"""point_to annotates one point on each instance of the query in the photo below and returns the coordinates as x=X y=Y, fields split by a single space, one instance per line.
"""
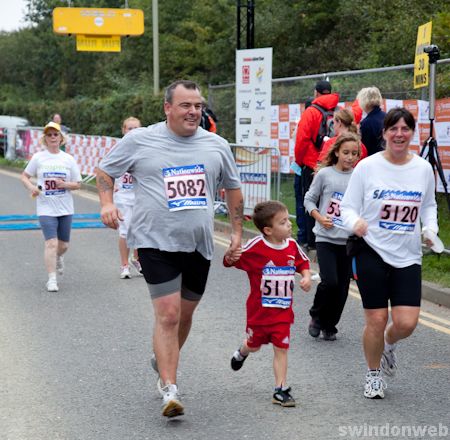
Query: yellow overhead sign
x=93 y=43
x=98 y=21
x=421 y=61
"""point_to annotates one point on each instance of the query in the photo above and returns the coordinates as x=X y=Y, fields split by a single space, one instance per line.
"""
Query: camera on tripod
x=433 y=52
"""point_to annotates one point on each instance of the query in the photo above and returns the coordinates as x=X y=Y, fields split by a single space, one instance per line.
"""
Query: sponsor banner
x=254 y=97
x=87 y=150
x=280 y=134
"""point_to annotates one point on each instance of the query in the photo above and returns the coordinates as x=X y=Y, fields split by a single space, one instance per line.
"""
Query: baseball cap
x=53 y=125
x=323 y=87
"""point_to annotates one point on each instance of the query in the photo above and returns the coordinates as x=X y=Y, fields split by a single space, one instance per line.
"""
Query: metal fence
x=259 y=172
x=395 y=82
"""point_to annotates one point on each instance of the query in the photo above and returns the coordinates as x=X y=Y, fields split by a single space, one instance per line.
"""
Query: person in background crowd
x=386 y=211
x=177 y=170
x=307 y=154
x=209 y=119
x=371 y=127
x=124 y=200
x=271 y=260
x=299 y=208
x=322 y=202
x=57 y=176
x=357 y=111
x=343 y=123
x=57 y=118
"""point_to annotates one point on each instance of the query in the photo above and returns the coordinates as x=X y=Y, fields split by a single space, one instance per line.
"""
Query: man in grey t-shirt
x=177 y=168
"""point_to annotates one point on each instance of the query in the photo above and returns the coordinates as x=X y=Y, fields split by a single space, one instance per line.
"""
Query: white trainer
x=60 y=264
x=52 y=285
x=125 y=272
x=137 y=266
x=375 y=385
x=172 y=407
x=389 y=363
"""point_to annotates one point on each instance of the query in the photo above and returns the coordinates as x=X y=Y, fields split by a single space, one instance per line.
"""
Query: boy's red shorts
x=276 y=334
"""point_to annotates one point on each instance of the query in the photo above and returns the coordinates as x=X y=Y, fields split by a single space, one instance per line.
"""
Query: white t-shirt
x=48 y=167
x=394 y=200
x=125 y=190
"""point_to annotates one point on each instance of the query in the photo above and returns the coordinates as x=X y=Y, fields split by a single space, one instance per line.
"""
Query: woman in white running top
x=57 y=175
x=391 y=194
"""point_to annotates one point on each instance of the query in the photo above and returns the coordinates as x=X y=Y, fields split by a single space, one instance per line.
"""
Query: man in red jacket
x=307 y=154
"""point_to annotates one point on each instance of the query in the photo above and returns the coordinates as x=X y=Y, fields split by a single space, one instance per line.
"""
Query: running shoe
x=389 y=363
x=125 y=272
x=314 y=328
x=237 y=360
x=328 y=336
x=52 y=285
x=375 y=385
x=135 y=263
x=60 y=264
x=283 y=397
x=172 y=407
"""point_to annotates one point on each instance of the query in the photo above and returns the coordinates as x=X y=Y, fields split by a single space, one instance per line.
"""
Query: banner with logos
x=253 y=109
x=285 y=117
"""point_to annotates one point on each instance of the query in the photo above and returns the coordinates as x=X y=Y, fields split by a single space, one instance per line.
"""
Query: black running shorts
x=380 y=283
x=170 y=272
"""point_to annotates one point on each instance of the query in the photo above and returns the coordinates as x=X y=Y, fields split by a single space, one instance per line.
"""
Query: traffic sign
x=94 y=43
x=421 y=61
x=98 y=21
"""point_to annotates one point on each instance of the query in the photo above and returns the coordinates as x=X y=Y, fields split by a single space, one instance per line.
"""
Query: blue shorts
x=56 y=227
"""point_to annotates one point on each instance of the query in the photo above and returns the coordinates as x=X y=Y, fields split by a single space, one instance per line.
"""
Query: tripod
x=429 y=150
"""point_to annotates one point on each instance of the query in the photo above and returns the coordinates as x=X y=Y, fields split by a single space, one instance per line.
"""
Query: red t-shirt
x=271 y=272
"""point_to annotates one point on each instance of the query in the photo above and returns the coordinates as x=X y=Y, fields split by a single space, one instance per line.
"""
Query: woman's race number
x=399 y=217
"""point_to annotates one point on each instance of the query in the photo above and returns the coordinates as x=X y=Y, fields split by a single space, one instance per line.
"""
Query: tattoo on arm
x=238 y=214
x=104 y=182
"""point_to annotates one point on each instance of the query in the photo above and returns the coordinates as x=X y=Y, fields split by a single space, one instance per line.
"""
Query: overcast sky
x=11 y=14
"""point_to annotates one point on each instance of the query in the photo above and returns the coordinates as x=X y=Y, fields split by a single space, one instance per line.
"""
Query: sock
x=52 y=276
x=238 y=355
x=374 y=372
x=389 y=347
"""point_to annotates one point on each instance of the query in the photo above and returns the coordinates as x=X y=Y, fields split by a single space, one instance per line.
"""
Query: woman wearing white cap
x=57 y=174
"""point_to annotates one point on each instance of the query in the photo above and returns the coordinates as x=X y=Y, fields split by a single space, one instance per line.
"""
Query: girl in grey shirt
x=322 y=202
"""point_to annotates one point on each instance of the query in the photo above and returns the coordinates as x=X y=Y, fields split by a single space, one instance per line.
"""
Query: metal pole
x=238 y=25
x=155 y=47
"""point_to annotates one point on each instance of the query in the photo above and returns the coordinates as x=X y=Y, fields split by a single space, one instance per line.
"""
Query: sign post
x=421 y=62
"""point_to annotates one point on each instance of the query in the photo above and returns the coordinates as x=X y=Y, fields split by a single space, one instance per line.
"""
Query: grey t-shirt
x=176 y=179
x=328 y=185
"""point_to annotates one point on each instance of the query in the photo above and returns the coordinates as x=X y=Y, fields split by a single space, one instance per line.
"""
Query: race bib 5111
x=277 y=286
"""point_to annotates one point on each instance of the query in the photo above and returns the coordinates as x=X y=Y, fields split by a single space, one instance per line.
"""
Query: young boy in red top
x=270 y=261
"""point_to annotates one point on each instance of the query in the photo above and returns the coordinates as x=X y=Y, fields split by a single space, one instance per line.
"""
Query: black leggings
x=332 y=291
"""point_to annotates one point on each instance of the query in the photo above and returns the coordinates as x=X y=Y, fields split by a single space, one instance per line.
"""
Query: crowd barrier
x=259 y=171
x=86 y=149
